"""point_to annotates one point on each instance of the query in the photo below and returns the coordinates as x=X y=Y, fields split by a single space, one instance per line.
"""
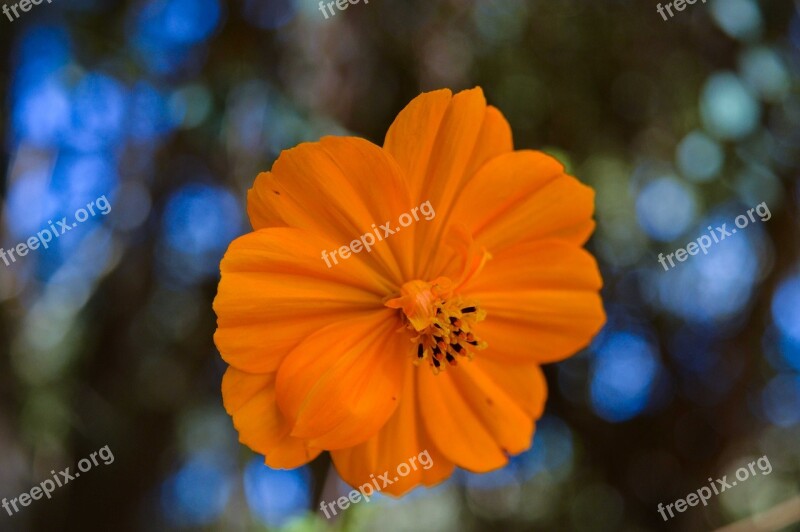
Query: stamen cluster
x=450 y=336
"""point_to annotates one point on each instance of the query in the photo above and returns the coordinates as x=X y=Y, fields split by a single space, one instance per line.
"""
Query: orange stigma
x=442 y=322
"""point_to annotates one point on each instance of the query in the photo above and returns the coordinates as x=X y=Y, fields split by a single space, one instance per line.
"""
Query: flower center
x=441 y=322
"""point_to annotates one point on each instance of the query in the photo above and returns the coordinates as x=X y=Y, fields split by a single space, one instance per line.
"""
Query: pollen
x=441 y=323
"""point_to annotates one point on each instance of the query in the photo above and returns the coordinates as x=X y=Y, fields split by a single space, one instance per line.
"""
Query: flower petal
x=403 y=440
x=494 y=139
x=339 y=187
x=527 y=387
x=422 y=129
x=473 y=418
x=276 y=290
x=541 y=299
x=411 y=138
x=440 y=142
x=258 y=204
x=455 y=143
x=250 y=401
x=291 y=453
x=342 y=384
x=521 y=196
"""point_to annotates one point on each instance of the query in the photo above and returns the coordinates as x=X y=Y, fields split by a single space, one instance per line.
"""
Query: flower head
x=430 y=334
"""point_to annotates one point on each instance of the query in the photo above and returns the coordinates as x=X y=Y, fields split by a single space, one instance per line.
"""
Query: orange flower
x=431 y=340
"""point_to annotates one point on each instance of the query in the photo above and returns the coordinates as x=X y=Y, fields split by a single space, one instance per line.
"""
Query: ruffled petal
x=456 y=141
x=339 y=187
x=250 y=400
x=411 y=138
x=527 y=387
x=440 y=142
x=523 y=196
x=403 y=440
x=494 y=139
x=422 y=129
x=276 y=290
x=259 y=209
x=291 y=453
x=341 y=385
x=542 y=301
x=473 y=419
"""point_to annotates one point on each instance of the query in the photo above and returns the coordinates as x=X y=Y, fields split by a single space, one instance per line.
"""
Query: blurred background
x=170 y=108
